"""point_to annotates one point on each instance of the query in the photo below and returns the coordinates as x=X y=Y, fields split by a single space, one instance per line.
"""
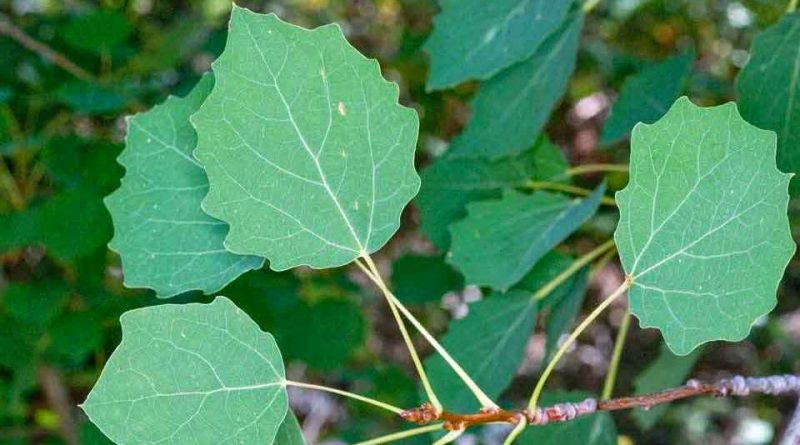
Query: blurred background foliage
x=61 y=289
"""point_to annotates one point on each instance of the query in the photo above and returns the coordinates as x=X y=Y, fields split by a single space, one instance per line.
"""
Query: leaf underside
x=165 y=240
x=190 y=374
x=703 y=231
x=308 y=154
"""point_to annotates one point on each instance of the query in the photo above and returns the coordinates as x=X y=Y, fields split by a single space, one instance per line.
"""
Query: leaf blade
x=775 y=62
x=706 y=226
x=512 y=107
x=165 y=240
x=317 y=136
x=646 y=96
x=499 y=241
x=136 y=399
x=474 y=40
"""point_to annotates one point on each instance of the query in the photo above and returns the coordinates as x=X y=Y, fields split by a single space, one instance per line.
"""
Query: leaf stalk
x=567 y=188
x=573 y=268
x=360 y=398
x=485 y=400
x=374 y=275
x=595 y=168
x=402 y=435
x=613 y=367
x=571 y=339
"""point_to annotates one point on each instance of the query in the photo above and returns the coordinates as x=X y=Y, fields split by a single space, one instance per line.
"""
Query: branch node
x=454 y=426
x=422 y=415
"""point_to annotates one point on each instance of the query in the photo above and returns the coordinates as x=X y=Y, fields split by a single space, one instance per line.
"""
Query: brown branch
x=563 y=412
x=9 y=29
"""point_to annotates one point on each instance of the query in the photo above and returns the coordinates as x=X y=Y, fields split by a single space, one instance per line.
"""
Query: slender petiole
x=512 y=436
x=571 y=339
x=567 y=188
x=792 y=6
x=595 y=168
x=613 y=367
x=485 y=400
x=349 y=394
x=374 y=275
x=449 y=437
x=402 y=435
x=573 y=268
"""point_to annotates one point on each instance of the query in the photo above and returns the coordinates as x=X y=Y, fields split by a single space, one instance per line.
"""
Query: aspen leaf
x=646 y=96
x=703 y=232
x=448 y=185
x=308 y=154
x=769 y=89
x=190 y=374
x=500 y=240
x=511 y=108
x=165 y=240
x=474 y=39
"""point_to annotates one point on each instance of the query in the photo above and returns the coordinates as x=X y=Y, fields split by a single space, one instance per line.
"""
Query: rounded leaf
x=703 y=233
x=190 y=374
x=308 y=154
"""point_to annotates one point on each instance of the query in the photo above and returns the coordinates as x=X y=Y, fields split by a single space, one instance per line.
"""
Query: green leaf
x=421 y=279
x=17 y=343
x=553 y=263
x=703 y=231
x=592 y=429
x=489 y=343
x=70 y=224
x=263 y=293
x=646 y=96
x=550 y=162
x=472 y=39
x=290 y=433
x=90 y=98
x=499 y=241
x=323 y=334
x=512 y=107
x=192 y=373
x=35 y=302
x=74 y=336
x=296 y=114
x=6 y=93
x=165 y=240
x=769 y=90
x=448 y=185
x=97 y=32
x=72 y=161
x=90 y=435
x=667 y=371
x=73 y=223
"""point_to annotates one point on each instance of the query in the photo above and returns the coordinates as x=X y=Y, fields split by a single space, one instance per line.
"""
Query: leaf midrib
x=314 y=158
